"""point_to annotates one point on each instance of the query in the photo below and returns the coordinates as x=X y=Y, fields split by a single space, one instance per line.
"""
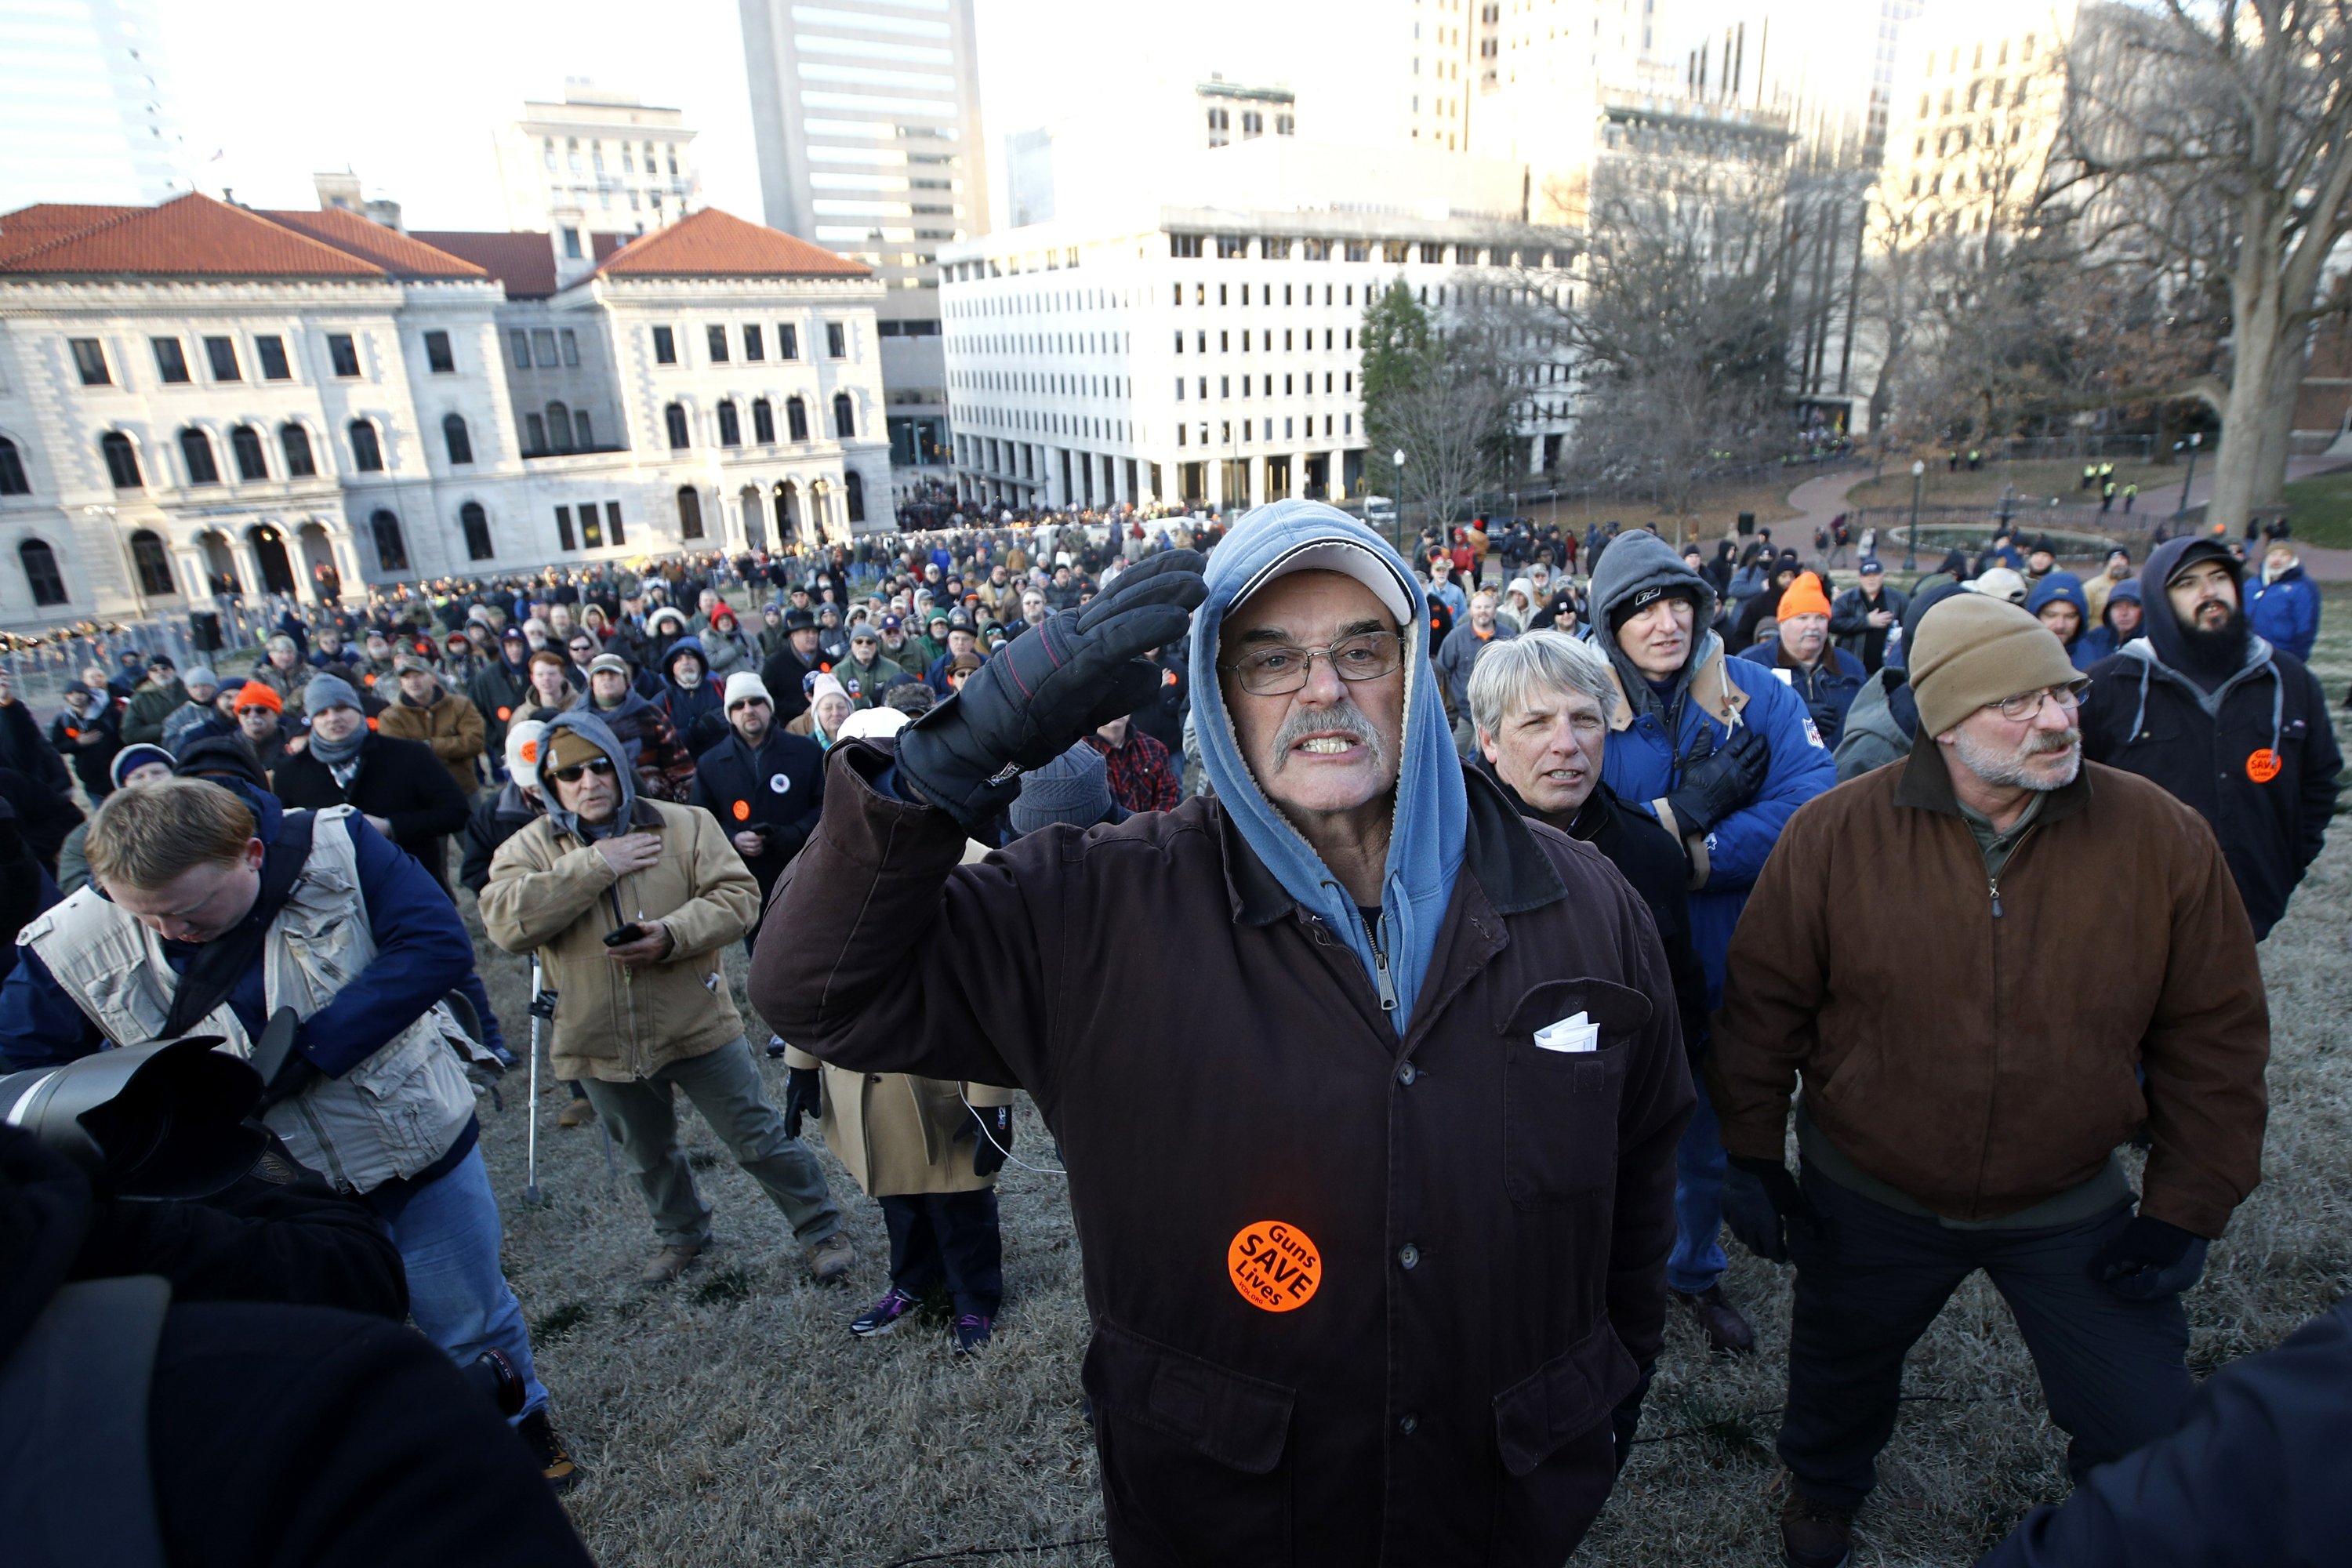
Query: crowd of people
x=1516 y=1091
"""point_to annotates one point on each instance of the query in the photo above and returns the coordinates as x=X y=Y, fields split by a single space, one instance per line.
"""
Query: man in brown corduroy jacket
x=1964 y=1093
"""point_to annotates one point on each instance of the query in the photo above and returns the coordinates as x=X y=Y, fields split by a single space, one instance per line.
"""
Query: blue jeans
x=448 y=1241
x=1697 y=1260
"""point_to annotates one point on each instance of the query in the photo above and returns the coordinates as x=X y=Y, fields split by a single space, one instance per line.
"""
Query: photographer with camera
x=630 y=903
x=209 y=909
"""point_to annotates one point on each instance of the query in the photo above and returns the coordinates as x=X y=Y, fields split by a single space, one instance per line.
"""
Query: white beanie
x=872 y=724
x=522 y=752
x=742 y=685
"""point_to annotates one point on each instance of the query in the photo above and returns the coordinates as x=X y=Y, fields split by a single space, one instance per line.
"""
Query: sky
x=272 y=91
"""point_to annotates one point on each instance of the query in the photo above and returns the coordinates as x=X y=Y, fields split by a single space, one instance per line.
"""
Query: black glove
x=1054 y=684
x=990 y=1127
x=2149 y=1259
x=1760 y=1199
x=1719 y=781
x=295 y=1075
x=800 y=1099
x=1626 y=1419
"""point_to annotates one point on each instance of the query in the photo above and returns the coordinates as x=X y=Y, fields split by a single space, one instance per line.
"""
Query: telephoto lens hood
x=161 y=1120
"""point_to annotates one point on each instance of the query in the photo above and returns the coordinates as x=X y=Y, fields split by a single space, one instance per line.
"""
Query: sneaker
x=775 y=1046
x=666 y=1266
x=1814 y=1534
x=829 y=1259
x=884 y=1315
x=555 y=1462
x=972 y=1331
x=1727 y=1331
x=576 y=1113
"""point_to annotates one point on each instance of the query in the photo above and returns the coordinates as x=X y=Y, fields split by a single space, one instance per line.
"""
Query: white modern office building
x=1206 y=354
x=865 y=117
x=86 y=104
x=627 y=167
x=197 y=396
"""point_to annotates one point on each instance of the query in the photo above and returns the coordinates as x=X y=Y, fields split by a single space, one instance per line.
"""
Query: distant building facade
x=623 y=166
x=87 y=104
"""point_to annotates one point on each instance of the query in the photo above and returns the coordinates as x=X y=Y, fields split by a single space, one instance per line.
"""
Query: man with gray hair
x=1458 y=655
x=1540 y=704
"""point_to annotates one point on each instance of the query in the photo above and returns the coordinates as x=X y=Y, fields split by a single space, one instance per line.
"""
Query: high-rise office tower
x=866 y=114
x=625 y=167
x=86 y=105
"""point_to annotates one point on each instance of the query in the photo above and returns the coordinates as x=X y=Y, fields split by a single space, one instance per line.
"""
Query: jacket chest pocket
x=1560 y=1106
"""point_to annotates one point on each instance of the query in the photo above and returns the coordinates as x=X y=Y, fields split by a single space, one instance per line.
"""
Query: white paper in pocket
x=1573 y=1033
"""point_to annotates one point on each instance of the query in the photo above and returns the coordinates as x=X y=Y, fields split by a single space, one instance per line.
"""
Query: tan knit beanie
x=1971 y=649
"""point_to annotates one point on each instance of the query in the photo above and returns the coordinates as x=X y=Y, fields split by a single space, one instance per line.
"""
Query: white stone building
x=1206 y=355
x=627 y=167
x=196 y=393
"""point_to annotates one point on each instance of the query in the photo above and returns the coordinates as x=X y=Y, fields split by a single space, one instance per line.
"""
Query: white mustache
x=1347 y=716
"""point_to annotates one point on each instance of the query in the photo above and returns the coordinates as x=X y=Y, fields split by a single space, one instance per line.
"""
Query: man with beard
x=765 y=786
x=1965 y=1097
x=2236 y=728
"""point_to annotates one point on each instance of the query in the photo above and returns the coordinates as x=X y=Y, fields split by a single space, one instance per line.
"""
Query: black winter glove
x=1760 y=1199
x=990 y=1127
x=2149 y=1259
x=1057 y=681
x=802 y=1097
x=1719 y=782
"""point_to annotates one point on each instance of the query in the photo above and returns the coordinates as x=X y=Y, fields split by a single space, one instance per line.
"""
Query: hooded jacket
x=2103 y=640
x=2284 y=610
x=551 y=890
x=696 y=712
x=665 y=768
x=1456 y=1331
x=1651 y=737
x=2255 y=757
x=1425 y=846
x=2065 y=588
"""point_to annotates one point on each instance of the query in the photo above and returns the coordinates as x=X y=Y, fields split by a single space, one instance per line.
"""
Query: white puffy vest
x=392 y=1115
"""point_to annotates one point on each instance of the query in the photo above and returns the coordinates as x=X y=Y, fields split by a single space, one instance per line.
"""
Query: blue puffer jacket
x=1827 y=691
x=2284 y=611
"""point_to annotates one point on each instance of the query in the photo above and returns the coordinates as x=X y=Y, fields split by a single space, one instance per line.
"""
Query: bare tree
x=1445 y=393
x=2214 y=142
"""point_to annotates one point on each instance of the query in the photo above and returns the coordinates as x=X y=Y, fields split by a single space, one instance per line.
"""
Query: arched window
x=389 y=547
x=196 y=449
x=763 y=423
x=674 y=417
x=367 y=452
x=295 y=443
x=41 y=573
x=155 y=567
x=796 y=418
x=121 y=464
x=689 y=512
x=559 y=427
x=476 y=524
x=586 y=439
x=856 y=485
x=245 y=441
x=12 y=470
x=535 y=428
x=730 y=428
x=454 y=434
x=845 y=415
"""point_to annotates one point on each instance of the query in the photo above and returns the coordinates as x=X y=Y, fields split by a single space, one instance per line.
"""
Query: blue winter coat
x=2285 y=612
x=1827 y=691
x=2067 y=588
x=1641 y=765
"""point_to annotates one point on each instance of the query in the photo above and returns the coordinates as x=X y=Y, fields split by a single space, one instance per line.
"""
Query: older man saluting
x=1964 y=1094
x=1375 y=1197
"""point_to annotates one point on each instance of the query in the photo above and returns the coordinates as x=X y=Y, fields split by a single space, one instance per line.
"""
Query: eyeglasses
x=1285 y=667
x=2019 y=709
x=600 y=766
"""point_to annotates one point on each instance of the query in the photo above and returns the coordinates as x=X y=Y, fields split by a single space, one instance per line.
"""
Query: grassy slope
x=733 y=1419
x=2321 y=509
x=2036 y=482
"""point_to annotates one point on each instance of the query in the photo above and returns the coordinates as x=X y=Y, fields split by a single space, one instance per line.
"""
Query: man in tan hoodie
x=629 y=903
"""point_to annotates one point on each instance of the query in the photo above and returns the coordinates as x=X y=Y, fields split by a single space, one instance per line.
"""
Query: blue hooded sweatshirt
x=1432 y=809
x=2064 y=587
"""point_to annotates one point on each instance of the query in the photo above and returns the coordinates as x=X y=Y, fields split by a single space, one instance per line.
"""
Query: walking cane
x=543 y=1007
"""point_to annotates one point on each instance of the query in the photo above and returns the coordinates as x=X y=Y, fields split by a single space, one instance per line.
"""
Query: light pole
x=2189 y=478
x=1398 y=460
x=1911 y=540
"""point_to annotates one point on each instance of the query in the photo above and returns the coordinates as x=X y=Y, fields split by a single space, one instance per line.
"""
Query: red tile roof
x=403 y=256
x=524 y=260
x=46 y=221
x=187 y=236
x=715 y=244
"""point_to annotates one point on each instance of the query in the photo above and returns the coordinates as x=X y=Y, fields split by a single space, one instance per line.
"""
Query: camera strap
x=214 y=972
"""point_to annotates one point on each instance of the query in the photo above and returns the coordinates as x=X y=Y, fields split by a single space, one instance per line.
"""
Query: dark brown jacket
x=1489 y=1221
x=1978 y=1049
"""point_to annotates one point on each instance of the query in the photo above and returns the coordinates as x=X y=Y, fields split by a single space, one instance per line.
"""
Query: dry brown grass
x=733 y=1420
x=2037 y=481
x=1714 y=512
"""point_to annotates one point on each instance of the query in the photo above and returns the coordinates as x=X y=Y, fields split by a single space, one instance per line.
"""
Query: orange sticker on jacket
x=742 y=811
x=2264 y=765
x=1275 y=1266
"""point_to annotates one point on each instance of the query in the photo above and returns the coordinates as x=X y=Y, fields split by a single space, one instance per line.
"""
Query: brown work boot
x=576 y=1113
x=665 y=1266
x=829 y=1259
x=1814 y=1534
x=1726 y=1330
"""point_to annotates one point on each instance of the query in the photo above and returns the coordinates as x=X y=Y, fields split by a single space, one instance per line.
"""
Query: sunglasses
x=600 y=766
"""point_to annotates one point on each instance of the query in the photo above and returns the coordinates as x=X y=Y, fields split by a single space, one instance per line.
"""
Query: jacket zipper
x=1381 y=966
